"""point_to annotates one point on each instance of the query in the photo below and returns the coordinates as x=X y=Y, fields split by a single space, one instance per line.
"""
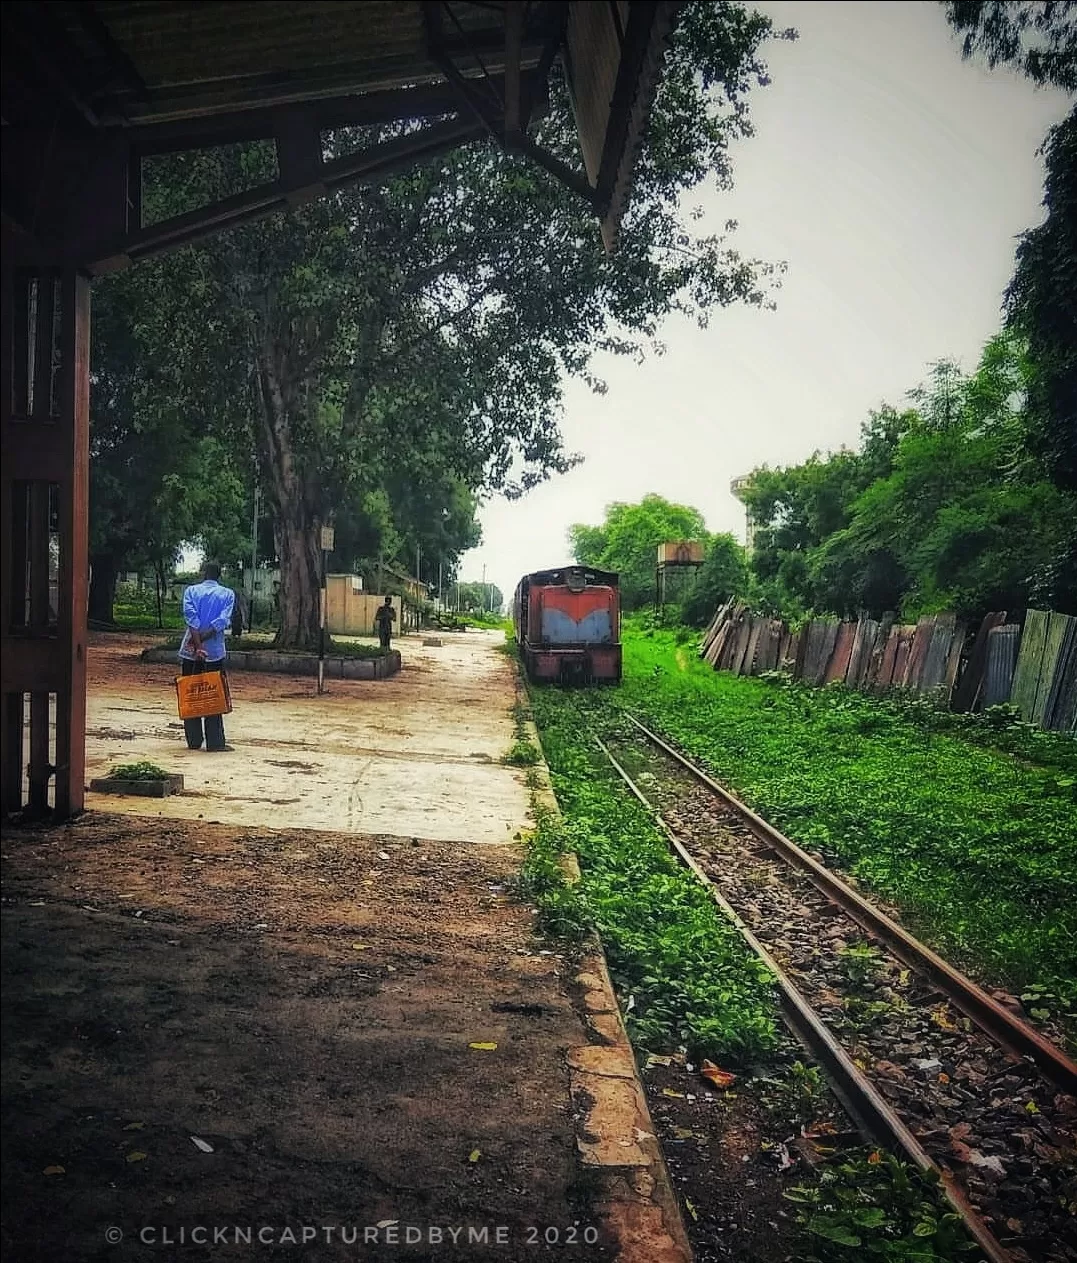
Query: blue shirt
x=207 y=606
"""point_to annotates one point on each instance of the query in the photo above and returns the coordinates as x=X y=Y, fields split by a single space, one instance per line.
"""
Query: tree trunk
x=104 y=573
x=296 y=532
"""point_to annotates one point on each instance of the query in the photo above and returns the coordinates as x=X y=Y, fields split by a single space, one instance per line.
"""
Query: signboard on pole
x=328 y=534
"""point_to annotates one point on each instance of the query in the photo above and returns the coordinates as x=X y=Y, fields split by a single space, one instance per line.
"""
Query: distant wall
x=1034 y=666
x=350 y=612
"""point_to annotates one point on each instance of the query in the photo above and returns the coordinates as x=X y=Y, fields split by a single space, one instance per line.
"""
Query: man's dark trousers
x=192 y=728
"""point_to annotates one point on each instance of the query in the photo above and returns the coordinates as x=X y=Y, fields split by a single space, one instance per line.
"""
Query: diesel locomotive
x=568 y=625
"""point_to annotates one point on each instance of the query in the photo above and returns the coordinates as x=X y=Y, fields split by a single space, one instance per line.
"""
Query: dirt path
x=227 y=1036
x=303 y=1003
x=415 y=755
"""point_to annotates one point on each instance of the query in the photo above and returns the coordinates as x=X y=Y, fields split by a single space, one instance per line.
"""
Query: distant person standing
x=383 y=620
x=207 y=611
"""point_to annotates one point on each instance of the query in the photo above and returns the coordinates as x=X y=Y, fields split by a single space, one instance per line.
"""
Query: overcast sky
x=892 y=177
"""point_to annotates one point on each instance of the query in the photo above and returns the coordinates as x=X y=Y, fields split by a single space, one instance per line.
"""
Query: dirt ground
x=415 y=755
x=228 y=1040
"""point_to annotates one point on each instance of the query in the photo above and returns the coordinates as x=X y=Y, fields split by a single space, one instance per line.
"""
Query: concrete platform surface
x=415 y=755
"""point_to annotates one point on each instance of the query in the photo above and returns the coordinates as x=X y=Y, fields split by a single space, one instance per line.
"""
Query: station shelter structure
x=92 y=90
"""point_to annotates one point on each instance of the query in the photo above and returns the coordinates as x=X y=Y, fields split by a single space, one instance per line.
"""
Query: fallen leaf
x=655 y=1060
x=474 y=1155
x=942 y=1019
x=134 y=1126
x=875 y=1158
x=384 y=855
x=483 y=1045
x=684 y=1133
x=1032 y=1107
x=136 y=1155
x=671 y=1092
x=889 y=1071
x=690 y=1208
x=199 y=1143
x=387 y=1223
x=54 y=1171
x=987 y=1162
x=642 y=1135
x=944 y=1078
x=713 y=1074
x=960 y=1130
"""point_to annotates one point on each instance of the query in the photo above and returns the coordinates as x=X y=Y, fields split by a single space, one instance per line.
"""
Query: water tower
x=738 y=487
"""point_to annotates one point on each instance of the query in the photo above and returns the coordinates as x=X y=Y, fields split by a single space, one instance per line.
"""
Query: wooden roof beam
x=302 y=182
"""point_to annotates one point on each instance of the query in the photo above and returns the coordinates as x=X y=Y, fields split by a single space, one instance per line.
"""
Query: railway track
x=922 y=1059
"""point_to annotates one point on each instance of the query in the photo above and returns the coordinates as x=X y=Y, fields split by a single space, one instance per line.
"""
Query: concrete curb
x=268 y=660
x=615 y=1136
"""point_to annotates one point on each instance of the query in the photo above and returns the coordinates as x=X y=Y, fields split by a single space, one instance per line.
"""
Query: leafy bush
x=874 y=1206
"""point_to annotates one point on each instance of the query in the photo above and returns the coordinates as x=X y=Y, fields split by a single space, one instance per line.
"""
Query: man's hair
x=211 y=570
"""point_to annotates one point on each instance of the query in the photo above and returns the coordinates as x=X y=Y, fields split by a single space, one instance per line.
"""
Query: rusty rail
x=1002 y=1026
x=873 y=1117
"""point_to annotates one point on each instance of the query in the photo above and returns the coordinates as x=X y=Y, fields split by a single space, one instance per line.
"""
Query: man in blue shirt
x=207 y=611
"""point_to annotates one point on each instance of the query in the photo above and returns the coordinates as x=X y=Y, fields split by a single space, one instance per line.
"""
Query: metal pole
x=321 y=626
x=254 y=555
x=484 y=587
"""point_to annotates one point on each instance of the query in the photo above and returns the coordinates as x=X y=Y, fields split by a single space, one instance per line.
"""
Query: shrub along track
x=999 y=1127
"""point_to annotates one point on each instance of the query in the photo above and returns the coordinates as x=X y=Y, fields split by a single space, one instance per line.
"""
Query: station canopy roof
x=123 y=79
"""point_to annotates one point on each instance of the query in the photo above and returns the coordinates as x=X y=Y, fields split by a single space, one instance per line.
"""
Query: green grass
x=681 y=970
x=977 y=846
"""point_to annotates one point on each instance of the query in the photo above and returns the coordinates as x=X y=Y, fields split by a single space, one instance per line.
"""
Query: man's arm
x=190 y=617
x=224 y=618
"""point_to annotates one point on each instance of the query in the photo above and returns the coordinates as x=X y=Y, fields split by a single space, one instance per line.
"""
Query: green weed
x=138 y=772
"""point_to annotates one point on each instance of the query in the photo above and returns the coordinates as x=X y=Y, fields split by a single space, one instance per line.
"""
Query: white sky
x=893 y=178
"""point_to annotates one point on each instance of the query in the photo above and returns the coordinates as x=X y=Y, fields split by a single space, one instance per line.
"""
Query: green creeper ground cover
x=684 y=977
x=978 y=846
x=691 y=979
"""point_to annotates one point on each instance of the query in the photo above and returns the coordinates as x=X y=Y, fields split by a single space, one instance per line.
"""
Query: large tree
x=628 y=538
x=1040 y=41
x=944 y=506
x=163 y=467
x=446 y=306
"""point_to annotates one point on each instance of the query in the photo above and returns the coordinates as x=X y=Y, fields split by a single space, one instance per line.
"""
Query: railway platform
x=297 y=1009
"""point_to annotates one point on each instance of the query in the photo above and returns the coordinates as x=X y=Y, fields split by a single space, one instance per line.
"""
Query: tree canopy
x=1036 y=37
x=943 y=506
x=627 y=541
x=420 y=331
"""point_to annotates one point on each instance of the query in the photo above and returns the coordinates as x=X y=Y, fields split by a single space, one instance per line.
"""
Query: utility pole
x=327 y=540
x=484 y=587
x=254 y=554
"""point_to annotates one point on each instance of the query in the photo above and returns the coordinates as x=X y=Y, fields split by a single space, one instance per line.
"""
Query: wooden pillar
x=44 y=501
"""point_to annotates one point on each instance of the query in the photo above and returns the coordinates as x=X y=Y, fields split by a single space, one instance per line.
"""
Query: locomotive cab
x=568 y=625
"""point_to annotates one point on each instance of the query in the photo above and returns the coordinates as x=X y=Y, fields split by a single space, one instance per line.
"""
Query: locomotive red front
x=568 y=624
